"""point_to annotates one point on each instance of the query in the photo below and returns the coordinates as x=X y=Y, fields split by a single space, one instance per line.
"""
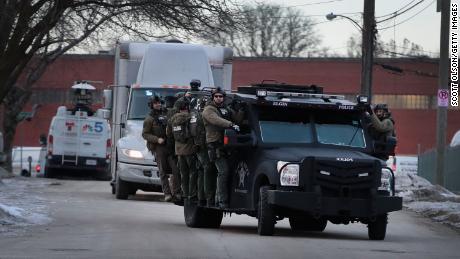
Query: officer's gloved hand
x=236 y=127
x=369 y=109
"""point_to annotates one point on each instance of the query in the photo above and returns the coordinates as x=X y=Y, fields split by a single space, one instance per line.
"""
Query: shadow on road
x=151 y=196
x=287 y=232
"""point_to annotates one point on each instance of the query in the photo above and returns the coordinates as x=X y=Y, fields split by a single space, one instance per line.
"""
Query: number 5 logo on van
x=98 y=127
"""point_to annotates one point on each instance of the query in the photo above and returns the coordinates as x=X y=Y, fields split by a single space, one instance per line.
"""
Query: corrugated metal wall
x=427 y=167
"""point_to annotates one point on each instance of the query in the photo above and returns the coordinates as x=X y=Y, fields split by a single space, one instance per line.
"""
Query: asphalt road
x=88 y=222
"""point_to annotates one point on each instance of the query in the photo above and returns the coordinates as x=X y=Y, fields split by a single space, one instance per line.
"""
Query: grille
x=346 y=179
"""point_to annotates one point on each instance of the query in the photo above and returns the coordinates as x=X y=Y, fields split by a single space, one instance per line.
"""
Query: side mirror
x=103 y=113
x=107 y=99
x=234 y=139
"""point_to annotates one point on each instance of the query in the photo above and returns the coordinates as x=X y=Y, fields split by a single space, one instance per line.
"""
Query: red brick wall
x=337 y=75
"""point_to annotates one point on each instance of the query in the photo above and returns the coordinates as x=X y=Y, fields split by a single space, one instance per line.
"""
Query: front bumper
x=330 y=206
x=137 y=173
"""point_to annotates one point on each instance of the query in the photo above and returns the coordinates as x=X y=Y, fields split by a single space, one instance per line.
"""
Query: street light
x=367 y=47
x=332 y=16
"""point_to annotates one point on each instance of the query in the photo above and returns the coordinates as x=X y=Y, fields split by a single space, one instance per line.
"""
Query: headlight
x=132 y=153
x=386 y=181
x=289 y=174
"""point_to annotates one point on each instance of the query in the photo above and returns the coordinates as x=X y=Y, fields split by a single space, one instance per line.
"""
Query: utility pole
x=441 y=118
x=368 y=48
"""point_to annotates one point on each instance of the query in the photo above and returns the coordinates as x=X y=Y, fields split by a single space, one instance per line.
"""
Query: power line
x=384 y=28
x=396 y=10
x=402 y=12
x=401 y=47
x=315 y=3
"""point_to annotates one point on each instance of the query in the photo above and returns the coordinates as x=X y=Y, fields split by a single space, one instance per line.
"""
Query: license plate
x=91 y=162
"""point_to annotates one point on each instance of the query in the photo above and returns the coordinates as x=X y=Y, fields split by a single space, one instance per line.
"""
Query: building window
x=411 y=102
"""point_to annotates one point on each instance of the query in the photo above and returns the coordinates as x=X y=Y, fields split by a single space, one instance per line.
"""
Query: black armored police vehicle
x=306 y=156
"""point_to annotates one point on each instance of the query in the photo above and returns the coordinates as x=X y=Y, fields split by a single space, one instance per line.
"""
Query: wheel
x=48 y=173
x=378 y=229
x=113 y=188
x=132 y=191
x=25 y=173
x=266 y=215
x=212 y=218
x=307 y=223
x=121 y=189
x=200 y=217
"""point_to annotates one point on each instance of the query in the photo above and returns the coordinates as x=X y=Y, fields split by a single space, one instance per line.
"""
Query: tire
x=307 y=223
x=266 y=214
x=212 y=218
x=25 y=173
x=200 y=217
x=48 y=173
x=121 y=189
x=377 y=229
x=132 y=191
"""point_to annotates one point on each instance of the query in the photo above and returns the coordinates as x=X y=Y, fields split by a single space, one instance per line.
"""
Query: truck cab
x=306 y=156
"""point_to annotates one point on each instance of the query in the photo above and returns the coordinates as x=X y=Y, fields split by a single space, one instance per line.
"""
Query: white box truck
x=142 y=70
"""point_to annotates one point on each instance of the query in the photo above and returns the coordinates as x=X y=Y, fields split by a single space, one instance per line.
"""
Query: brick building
x=411 y=95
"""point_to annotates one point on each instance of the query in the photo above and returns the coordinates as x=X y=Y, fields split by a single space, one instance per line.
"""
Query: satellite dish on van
x=83 y=85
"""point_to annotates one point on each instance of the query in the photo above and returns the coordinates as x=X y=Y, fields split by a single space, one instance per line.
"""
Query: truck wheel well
x=261 y=180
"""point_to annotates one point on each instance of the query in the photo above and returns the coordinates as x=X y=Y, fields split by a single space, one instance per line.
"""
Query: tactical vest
x=197 y=130
x=180 y=130
x=224 y=113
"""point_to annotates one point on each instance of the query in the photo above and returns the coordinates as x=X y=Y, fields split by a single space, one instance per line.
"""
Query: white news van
x=142 y=70
x=79 y=139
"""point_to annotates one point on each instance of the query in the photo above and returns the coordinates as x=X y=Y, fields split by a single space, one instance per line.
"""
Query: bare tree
x=268 y=30
x=34 y=33
x=386 y=49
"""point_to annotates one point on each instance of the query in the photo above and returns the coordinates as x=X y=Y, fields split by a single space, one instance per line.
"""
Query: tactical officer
x=154 y=131
x=381 y=121
x=178 y=127
x=216 y=118
x=206 y=173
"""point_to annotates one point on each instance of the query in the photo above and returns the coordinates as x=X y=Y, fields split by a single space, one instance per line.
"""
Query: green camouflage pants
x=165 y=161
x=187 y=166
x=223 y=175
x=206 y=176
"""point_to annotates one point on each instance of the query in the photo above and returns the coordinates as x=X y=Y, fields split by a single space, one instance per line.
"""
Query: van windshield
x=138 y=108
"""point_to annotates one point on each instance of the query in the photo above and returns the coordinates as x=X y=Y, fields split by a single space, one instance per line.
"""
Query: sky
x=423 y=28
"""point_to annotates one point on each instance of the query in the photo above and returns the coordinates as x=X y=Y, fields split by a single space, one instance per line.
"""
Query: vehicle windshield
x=343 y=129
x=285 y=132
x=138 y=108
x=285 y=125
x=294 y=125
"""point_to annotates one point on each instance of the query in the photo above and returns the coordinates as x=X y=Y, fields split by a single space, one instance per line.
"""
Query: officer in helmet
x=178 y=128
x=216 y=118
x=381 y=122
x=154 y=132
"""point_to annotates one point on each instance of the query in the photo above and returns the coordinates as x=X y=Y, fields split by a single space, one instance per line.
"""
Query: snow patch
x=433 y=201
x=21 y=204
